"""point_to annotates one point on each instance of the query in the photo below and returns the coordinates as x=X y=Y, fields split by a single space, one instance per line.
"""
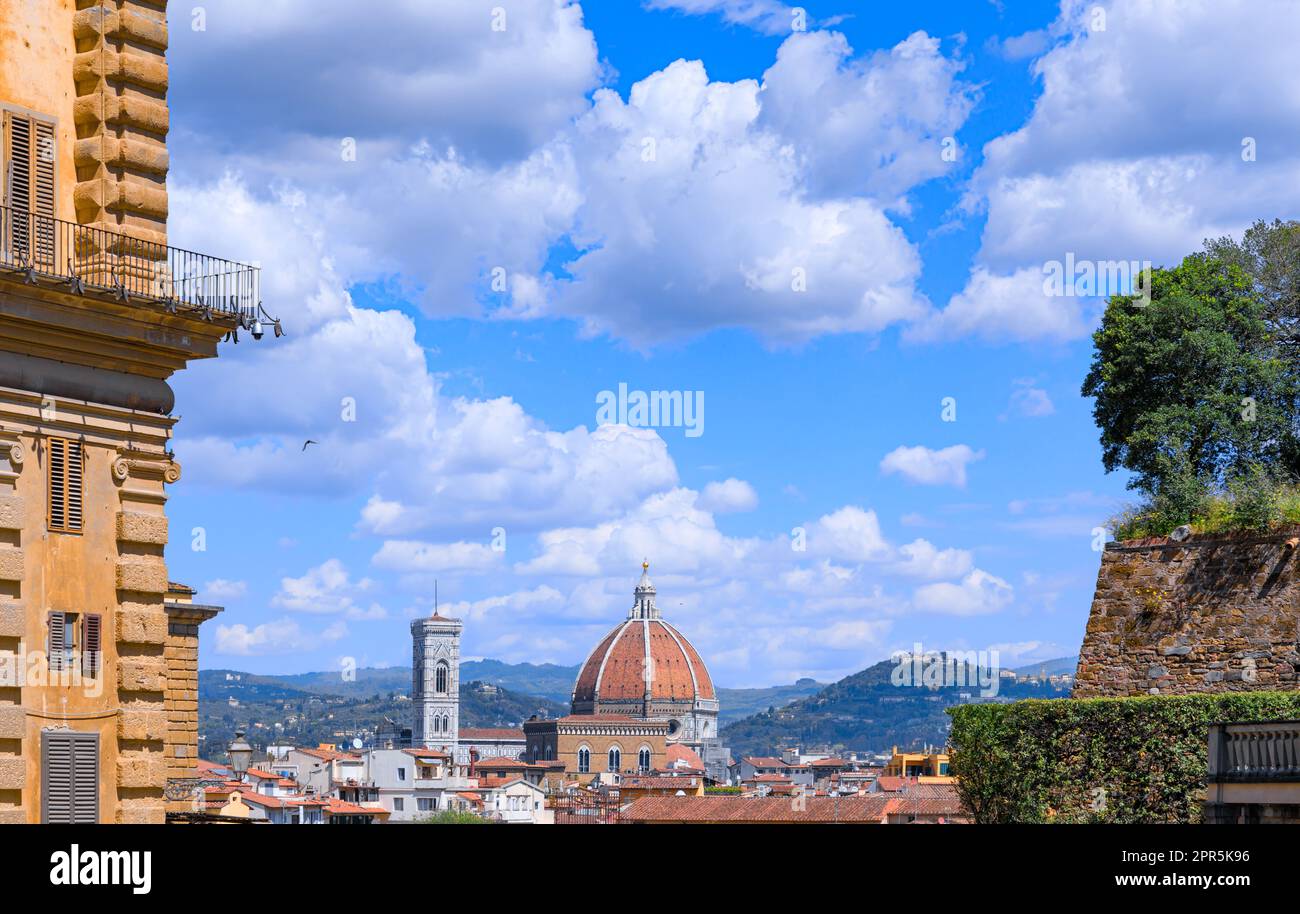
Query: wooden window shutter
x=44 y=161
x=29 y=185
x=57 y=642
x=69 y=777
x=91 y=644
x=17 y=161
x=65 y=491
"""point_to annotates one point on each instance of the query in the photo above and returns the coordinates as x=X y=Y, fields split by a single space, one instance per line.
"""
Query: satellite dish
x=356 y=743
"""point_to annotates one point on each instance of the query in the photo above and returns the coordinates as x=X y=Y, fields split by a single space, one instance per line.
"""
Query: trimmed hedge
x=1098 y=759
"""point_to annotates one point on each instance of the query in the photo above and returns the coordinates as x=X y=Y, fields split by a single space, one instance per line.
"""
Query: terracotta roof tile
x=861 y=810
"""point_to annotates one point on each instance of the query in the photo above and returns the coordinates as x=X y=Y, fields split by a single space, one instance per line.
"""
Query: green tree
x=1269 y=254
x=1193 y=389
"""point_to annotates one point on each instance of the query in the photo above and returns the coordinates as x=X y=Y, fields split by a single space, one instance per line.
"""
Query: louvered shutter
x=74 y=474
x=91 y=628
x=42 y=198
x=18 y=183
x=65 y=495
x=69 y=777
x=57 y=647
x=30 y=158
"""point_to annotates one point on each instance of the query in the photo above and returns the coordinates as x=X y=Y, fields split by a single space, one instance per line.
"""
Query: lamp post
x=239 y=753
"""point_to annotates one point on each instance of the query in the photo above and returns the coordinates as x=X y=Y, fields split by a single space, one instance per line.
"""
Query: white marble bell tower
x=435 y=690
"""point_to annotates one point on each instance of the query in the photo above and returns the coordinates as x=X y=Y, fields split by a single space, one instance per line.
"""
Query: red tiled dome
x=616 y=669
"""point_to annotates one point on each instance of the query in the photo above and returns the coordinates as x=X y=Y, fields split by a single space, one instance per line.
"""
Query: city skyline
x=671 y=196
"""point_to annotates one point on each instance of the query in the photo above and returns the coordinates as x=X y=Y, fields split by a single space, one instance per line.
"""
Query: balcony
x=1255 y=752
x=1254 y=773
x=41 y=250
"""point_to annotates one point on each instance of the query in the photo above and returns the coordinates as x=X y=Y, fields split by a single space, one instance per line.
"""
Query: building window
x=91 y=645
x=64 y=478
x=66 y=634
x=643 y=759
x=427 y=804
x=69 y=777
x=615 y=759
x=440 y=678
x=399 y=804
x=401 y=774
x=584 y=760
x=27 y=189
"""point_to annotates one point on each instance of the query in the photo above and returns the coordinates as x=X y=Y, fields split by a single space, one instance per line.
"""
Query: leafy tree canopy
x=1199 y=387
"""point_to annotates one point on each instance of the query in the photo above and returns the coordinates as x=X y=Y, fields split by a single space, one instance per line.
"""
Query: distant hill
x=1066 y=665
x=271 y=711
x=865 y=711
x=317 y=707
x=545 y=679
x=741 y=703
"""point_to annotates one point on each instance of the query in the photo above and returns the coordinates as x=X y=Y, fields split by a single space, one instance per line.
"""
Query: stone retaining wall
x=1211 y=614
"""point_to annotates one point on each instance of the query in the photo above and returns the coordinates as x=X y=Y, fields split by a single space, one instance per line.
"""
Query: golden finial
x=645 y=566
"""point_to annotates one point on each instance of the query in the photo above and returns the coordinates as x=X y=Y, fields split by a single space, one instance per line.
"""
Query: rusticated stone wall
x=1210 y=614
x=120 y=73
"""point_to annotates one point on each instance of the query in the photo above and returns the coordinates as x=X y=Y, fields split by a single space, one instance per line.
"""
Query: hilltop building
x=97 y=704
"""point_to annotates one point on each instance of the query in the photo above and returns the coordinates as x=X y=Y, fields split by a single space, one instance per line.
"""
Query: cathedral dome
x=644 y=660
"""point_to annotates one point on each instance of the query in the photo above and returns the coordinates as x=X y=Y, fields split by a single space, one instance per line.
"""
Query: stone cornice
x=135 y=337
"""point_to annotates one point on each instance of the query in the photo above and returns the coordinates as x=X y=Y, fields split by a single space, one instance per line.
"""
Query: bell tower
x=435 y=688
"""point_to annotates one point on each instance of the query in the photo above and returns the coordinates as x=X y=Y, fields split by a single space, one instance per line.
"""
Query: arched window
x=584 y=760
x=446 y=724
x=615 y=759
x=440 y=678
x=643 y=759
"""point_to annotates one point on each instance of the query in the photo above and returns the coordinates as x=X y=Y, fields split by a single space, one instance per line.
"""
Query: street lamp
x=240 y=753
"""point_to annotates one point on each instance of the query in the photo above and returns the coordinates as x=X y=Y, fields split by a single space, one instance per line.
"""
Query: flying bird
x=307 y=442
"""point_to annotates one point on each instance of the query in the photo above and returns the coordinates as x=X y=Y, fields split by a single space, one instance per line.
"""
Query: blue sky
x=649 y=179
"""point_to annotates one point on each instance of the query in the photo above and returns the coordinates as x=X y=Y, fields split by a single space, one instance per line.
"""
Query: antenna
x=435 y=596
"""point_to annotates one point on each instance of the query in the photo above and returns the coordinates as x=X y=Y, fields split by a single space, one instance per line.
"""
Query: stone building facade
x=590 y=745
x=96 y=313
x=1209 y=614
x=435 y=686
x=181 y=699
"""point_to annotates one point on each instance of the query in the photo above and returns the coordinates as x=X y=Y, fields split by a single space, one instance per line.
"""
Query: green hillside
x=865 y=711
x=273 y=712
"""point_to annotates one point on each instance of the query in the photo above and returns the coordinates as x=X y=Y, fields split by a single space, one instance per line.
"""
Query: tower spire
x=644 y=594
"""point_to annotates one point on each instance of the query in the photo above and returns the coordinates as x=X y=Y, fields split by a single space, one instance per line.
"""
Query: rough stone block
x=12 y=620
x=141 y=812
x=142 y=724
x=11 y=564
x=141 y=576
x=13 y=722
x=11 y=512
x=13 y=773
x=13 y=817
x=141 y=674
x=135 y=527
x=135 y=771
x=139 y=626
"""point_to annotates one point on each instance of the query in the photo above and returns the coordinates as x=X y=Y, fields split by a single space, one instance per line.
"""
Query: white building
x=414 y=783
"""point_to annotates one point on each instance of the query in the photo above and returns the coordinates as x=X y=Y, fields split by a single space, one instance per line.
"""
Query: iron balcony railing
x=91 y=259
x=1255 y=752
